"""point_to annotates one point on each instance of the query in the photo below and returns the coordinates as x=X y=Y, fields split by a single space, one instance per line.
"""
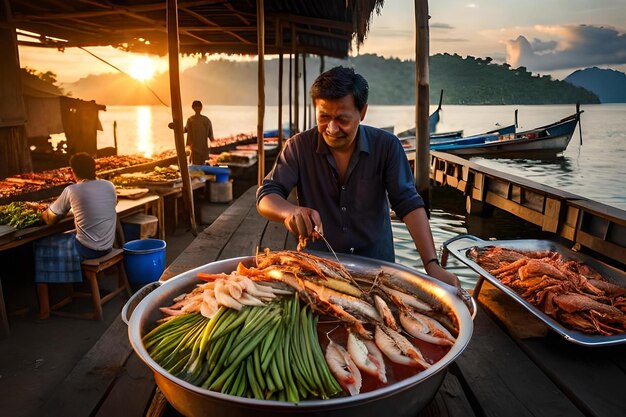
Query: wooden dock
x=512 y=366
x=587 y=224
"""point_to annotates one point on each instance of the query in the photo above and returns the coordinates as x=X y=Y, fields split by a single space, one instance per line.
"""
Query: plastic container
x=221 y=173
x=144 y=261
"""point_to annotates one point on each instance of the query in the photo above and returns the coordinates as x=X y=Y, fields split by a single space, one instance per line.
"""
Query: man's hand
x=436 y=271
x=302 y=220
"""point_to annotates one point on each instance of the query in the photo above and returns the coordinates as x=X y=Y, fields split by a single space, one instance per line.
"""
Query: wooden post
x=422 y=134
x=115 y=136
x=280 y=100
x=177 y=108
x=14 y=152
x=291 y=131
x=305 y=126
x=260 y=35
x=296 y=91
x=296 y=76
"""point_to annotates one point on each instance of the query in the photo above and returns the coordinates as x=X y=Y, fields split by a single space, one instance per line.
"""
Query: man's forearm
x=275 y=207
x=49 y=217
x=419 y=228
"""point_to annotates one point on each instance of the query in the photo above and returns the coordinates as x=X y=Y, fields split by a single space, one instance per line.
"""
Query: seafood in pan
x=386 y=320
x=569 y=291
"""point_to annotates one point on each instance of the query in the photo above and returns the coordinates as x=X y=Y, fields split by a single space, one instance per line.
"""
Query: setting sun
x=142 y=68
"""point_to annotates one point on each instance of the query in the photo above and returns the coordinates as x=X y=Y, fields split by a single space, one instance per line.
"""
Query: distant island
x=465 y=80
x=609 y=85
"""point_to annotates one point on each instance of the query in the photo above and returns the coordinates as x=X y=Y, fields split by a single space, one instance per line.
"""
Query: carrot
x=210 y=277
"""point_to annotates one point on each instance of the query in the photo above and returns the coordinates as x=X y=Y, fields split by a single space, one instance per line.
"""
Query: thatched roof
x=324 y=27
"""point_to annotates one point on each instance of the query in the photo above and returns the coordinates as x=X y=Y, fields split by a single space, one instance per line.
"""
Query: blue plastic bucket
x=144 y=261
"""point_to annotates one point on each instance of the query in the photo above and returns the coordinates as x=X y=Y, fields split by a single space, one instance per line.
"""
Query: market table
x=149 y=204
x=511 y=367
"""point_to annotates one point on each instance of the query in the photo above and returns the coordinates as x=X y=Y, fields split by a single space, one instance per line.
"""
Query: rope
x=123 y=72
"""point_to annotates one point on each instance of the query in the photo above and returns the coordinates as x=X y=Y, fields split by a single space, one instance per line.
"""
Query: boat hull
x=544 y=142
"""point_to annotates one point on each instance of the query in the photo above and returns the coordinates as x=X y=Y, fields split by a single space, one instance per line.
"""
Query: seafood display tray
x=460 y=245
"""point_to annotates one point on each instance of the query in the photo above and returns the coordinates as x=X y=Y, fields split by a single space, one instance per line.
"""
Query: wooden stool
x=92 y=270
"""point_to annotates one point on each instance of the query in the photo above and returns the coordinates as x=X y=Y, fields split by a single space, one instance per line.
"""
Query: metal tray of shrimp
x=460 y=247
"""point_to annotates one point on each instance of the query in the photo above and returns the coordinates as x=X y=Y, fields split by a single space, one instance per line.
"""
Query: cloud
x=449 y=39
x=437 y=25
x=566 y=47
x=391 y=32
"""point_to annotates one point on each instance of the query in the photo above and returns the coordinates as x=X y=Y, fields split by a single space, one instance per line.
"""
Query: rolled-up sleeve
x=61 y=206
x=400 y=183
x=284 y=176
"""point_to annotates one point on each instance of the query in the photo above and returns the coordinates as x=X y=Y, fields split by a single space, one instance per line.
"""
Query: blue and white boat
x=542 y=142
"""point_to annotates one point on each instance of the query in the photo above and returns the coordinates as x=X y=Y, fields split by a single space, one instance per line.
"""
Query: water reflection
x=145 y=145
x=444 y=226
x=557 y=172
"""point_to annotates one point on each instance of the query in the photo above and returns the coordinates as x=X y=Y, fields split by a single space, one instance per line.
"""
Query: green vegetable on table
x=270 y=352
x=20 y=215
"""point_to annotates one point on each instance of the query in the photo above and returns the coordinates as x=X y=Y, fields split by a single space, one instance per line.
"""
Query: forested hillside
x=466 y=80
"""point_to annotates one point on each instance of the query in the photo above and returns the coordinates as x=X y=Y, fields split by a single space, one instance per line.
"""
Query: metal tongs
x=330 y=248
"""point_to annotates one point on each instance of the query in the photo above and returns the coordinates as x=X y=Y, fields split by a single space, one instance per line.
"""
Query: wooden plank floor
x=502 y=372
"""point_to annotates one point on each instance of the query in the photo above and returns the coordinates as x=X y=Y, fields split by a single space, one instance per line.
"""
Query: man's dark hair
x=83 y=166
x=338 y=82
x=196 y=103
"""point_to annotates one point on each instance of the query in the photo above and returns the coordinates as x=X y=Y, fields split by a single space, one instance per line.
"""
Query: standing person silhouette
x=198 y=128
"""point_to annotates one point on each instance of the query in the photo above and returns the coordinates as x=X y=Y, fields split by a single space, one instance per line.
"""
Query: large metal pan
x=405 y=398
x=459 y=247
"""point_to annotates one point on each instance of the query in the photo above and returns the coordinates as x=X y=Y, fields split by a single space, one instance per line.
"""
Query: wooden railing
x=585 y=223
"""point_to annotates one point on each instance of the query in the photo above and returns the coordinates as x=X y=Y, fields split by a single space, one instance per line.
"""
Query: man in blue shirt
x=345 y=174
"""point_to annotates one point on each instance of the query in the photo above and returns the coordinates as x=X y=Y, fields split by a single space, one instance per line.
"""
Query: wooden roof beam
x=346 y=37
x=312 y=21
x=215 y=26
x=239 y=15
x=111 y=10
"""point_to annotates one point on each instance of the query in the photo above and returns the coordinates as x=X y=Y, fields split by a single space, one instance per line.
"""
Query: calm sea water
x=595 y=170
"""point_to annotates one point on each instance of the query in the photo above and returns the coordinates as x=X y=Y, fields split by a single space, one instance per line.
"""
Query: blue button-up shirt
x=355 y=215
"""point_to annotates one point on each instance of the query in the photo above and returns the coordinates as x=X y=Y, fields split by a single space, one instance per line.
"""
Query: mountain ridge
x=465 y=80
x=609 y=85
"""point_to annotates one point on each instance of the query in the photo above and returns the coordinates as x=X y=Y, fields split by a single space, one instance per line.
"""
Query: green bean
x=268 y=343
x=292 y=391
x=241 y=344
x=218 y=359
x=228 y=384
x=230 y=324
x=271 y=387
x=276 y=374
x=243 y=382
x=331 y=385
x=266 y=359
x=175 y=322
x=308 y=346
x=256 y=390
x=242 y=355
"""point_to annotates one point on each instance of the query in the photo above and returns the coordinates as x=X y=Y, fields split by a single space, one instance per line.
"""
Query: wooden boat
x=542 y=142
x=433 y=120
